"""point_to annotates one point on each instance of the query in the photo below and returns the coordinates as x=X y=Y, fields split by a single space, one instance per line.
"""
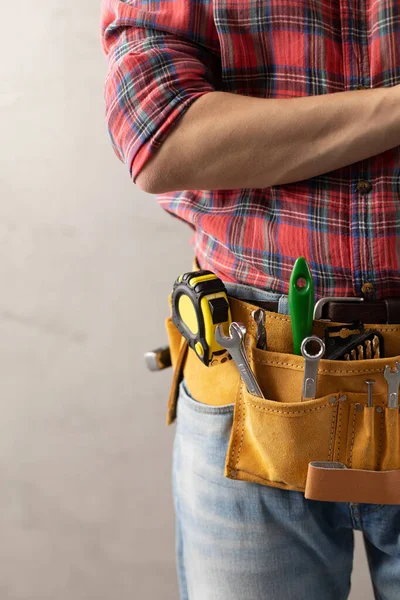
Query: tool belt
x=332 y=447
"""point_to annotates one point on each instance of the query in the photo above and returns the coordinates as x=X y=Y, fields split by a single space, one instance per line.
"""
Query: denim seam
x=368 y=511
x=352 y=517
x=182 y=580
x=377 y=596
x=239 y=291
x=222 y=411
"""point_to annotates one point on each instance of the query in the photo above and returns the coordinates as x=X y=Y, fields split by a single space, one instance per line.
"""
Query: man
x=273 y=129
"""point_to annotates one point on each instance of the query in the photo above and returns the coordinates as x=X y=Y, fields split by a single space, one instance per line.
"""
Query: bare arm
x=228 y=141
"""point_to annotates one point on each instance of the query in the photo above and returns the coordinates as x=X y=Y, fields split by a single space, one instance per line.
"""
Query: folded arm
x=162 y=56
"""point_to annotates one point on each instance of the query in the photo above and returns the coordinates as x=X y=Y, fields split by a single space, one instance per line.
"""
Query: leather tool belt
x=371 y=311
x=331 y=448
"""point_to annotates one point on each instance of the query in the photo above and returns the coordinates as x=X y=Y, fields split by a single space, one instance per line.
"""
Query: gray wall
x=85 y=456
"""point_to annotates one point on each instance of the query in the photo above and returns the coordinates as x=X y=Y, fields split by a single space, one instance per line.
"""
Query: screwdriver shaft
x=370 y=383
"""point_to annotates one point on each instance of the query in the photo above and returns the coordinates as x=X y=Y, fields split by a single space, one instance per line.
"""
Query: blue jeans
x=244 y=541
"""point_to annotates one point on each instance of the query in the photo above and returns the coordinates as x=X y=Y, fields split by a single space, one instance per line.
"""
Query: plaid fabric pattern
x=163 y=54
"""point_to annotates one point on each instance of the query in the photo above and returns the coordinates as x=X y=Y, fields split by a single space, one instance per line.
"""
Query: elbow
x=147 y=180
x=153 y=179
x=145 y=184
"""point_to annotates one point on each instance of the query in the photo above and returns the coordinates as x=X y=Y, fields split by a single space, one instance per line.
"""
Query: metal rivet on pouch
x=332 y=400
x=359 y=407
x=342 y=398
x=233 y=473
x=379 y=409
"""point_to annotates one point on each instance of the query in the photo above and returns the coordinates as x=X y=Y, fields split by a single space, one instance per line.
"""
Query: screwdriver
x=301 y=302
x=370 y=383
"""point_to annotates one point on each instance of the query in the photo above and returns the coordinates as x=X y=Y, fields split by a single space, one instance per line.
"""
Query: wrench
x=393 y=381
x=235 y=346
x=311 y=366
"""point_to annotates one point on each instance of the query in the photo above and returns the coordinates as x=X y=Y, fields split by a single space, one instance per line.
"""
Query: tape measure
x=199 y=304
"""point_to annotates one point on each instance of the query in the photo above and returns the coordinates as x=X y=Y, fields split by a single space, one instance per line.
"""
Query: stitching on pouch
x=286 y=412
x=352 y=436
x=332 y=432
x=300 y=368
x=242 y=437
x=339 y=431
x=387 y=329
x=380 y=439
x=239 y=409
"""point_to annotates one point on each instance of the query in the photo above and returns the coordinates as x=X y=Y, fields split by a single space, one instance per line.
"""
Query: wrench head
x=391 y=375
x=237 y=331
x=317 y=340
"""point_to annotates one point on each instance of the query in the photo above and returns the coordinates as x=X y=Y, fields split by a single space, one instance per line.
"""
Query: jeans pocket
x=197 y=421
x=202 y=437
x=189 y=402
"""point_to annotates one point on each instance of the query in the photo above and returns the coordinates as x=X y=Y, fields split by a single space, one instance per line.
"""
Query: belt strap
x=334 y=482
x=177 y=378
x=370 y=311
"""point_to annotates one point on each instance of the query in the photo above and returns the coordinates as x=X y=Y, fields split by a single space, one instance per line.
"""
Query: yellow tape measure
x=199 y=304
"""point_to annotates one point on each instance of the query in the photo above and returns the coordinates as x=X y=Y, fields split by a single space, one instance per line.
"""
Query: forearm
x=227 y=141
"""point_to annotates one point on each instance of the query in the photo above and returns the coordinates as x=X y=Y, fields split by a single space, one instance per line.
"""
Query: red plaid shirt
x=163 y=54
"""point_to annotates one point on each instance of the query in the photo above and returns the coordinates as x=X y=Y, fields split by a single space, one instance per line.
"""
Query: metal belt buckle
x=319 y=305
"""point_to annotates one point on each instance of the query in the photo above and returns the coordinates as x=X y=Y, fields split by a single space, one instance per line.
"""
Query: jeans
x=244 y=541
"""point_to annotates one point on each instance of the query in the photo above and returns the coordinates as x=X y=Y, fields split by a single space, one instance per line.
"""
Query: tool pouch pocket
x=390 y=439
x=274 y=440
x=363 y=435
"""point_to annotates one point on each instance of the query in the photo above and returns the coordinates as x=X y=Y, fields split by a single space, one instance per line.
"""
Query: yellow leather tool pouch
x=333 y=447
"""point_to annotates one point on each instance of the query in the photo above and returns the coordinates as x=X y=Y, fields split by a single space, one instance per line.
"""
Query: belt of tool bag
x=358 y=459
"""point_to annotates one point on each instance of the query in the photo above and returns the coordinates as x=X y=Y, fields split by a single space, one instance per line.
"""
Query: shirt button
x=364 y=186
x=368 y=288
x=361 y=87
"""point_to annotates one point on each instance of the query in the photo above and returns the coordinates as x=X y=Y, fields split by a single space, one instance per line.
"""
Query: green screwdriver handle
x=301 y=303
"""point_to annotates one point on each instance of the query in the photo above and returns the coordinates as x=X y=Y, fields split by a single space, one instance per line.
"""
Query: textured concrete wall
x=85 y=458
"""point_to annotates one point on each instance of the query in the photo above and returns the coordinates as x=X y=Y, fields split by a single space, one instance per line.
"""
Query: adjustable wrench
x=393 y=381
x=235 y=346
x=311 y=366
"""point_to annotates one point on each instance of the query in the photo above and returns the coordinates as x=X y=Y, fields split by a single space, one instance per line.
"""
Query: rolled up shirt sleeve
x=162 y=55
